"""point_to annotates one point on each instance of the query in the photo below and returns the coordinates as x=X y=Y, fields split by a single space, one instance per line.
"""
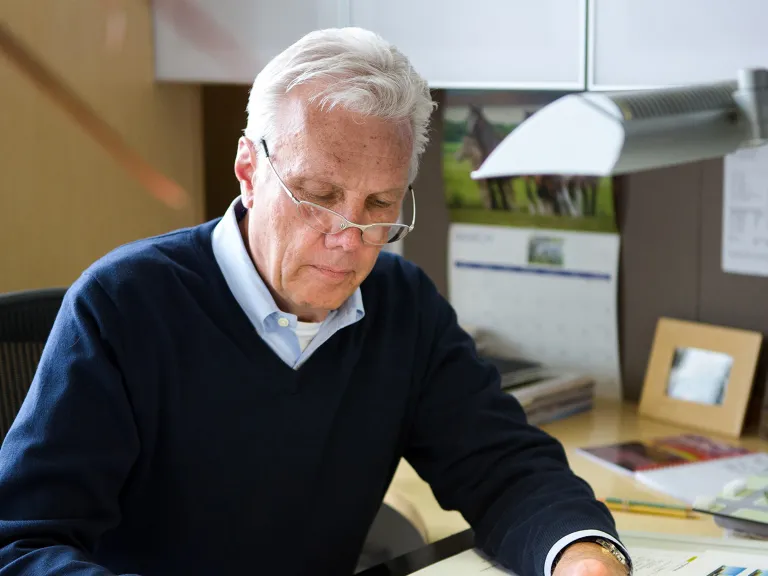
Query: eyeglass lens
x=327 y=222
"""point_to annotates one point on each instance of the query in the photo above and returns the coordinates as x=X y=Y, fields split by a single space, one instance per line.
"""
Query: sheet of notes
x=745 y=212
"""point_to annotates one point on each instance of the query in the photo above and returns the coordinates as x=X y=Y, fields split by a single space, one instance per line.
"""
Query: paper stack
x=546 y=395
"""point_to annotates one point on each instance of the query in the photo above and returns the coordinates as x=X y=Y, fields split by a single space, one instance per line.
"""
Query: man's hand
x=588 y=559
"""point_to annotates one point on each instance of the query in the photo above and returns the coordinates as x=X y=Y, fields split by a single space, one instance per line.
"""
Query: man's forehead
x=331 y=153
x=372 y=139
x=339 y=135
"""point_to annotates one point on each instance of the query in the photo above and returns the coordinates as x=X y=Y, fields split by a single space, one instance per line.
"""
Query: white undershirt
x=305 y=331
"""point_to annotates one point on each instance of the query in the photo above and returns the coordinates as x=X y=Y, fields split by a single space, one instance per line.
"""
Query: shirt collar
x=247 y=286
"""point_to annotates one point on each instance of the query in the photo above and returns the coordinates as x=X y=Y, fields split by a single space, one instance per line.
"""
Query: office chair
x=26 y=319
x=397 y=529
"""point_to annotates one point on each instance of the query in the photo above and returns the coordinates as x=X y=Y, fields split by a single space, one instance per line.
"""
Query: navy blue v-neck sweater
x=162 y=436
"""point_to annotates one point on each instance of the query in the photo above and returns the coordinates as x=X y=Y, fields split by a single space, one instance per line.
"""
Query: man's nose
x=348 y=240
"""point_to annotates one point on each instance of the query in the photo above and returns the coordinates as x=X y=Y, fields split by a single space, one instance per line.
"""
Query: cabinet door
x=527 y=44
x=230 y=41
x=655 y=43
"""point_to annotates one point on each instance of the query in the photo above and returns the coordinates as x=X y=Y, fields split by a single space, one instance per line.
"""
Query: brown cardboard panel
x=736 y=300
x=658 y=213
x=733 y=300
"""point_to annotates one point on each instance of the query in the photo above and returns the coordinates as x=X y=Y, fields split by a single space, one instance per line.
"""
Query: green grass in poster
x=463 y=198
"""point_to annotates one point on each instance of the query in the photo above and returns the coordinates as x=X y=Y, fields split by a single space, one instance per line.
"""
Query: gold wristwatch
x=608 y=548
x=612 y=549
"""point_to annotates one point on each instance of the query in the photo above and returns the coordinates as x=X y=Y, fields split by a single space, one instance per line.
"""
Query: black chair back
x=26 y=319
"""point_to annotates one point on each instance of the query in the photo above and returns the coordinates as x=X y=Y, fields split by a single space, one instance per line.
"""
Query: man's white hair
x=352 y=68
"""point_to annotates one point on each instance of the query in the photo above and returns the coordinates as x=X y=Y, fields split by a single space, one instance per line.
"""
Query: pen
x=650 y=508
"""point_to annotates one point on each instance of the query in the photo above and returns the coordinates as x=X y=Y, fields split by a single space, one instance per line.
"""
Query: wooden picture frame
x=700 y=376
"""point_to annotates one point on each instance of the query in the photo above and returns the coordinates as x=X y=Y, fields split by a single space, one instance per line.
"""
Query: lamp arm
x=751 y=96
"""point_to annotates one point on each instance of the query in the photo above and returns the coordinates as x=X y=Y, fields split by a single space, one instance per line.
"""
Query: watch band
x=615 y=552
x=608 y=547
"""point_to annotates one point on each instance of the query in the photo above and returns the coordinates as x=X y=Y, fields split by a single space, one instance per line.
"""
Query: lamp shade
x=601 y=134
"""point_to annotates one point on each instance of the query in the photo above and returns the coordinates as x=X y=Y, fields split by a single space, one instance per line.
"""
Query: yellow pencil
x=650 y=508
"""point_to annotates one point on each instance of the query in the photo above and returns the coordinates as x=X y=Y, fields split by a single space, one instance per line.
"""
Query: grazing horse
x=492 y=197
x=551 y=195
x=484 y=134
x=562 y=195
x=566 y=194
x=471 y=151
x=541 y=196
x=585 y=188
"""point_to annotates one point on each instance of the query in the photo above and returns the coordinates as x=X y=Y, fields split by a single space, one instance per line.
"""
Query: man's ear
x=245 y=167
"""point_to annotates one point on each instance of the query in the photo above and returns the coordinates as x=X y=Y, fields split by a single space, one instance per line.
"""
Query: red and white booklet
x=685 y=467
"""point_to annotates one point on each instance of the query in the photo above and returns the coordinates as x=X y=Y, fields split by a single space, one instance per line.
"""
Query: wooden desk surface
x=606 y=423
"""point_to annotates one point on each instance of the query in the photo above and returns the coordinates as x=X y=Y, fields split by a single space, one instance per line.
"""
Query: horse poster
x=551 y=201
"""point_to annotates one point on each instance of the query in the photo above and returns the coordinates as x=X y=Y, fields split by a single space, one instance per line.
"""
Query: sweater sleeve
x=471 y=442
x=68 y=453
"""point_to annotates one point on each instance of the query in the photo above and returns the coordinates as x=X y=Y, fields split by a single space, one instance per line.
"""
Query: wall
x=224 y=118
x=63 y=201
x=671 y=223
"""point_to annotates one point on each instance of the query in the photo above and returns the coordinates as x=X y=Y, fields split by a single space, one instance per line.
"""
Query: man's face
x=354 y=165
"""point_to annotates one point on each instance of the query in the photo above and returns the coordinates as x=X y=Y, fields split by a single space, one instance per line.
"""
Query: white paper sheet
x=544 y=295
x=646 y=562
x=726 y=564
x=745 y=212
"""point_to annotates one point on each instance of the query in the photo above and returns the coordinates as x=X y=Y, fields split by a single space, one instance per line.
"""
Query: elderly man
x=234 y=398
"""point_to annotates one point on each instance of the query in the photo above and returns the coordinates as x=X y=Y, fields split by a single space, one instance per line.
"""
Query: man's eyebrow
x=396 y=191
x=300 y=180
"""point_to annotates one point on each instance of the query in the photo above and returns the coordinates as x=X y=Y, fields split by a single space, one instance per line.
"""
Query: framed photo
x=700 y=376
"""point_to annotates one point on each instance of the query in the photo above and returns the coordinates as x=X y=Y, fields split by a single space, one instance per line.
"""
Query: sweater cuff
x=565 y=541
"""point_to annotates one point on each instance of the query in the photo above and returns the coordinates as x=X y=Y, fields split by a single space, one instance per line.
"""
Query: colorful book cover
x=639 y=456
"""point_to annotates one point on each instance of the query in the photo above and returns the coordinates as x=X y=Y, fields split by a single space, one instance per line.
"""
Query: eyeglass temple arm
x=279 y=179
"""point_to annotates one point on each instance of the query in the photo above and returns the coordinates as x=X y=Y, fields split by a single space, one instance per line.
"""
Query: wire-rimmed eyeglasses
x=328 y=221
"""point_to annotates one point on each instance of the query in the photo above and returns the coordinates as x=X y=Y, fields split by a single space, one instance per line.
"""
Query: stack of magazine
x=545 y=394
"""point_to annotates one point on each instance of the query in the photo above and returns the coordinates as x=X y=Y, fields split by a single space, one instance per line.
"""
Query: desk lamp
x=601 y=134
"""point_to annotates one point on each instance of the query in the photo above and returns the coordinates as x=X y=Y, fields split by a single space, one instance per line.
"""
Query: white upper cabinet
x=513 y=44
x=230 y=41
x=524 y=44
x=655 y=43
